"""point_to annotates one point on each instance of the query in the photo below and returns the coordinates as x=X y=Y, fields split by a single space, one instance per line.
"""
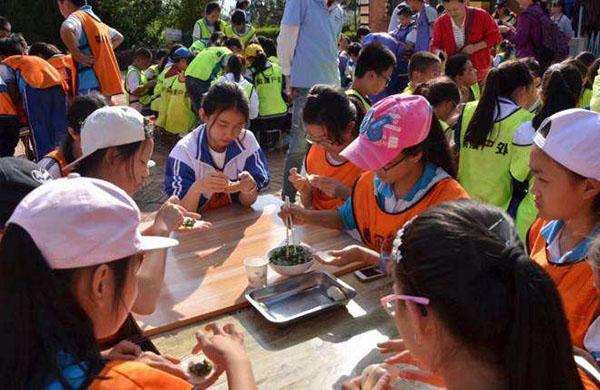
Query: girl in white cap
x=116 y=145
x=566 y=168
x=69 y=261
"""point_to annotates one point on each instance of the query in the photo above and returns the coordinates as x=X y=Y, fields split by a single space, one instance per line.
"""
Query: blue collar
x=203 y=150
x=387 y=190
x=86 y=8
x=550 y=233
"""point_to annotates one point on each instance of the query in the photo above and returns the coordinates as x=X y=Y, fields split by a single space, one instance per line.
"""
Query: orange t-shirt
x=574 y=283
x=378 y=228
x=118 y=375
x=317 y=164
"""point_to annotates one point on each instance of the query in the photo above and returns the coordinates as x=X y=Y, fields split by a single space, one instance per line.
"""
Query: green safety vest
x=365 y=104
x=197 y=46
x=476 y=91
x=273 y=60
x=158 y=89
x=595 y=99
x=269 y=85
x=179 y=115
x=207 y=64
x=205 y=32
x=486 y=173
x=245 y=38
x=586 y=99
x=163 y=102
x=146 y=99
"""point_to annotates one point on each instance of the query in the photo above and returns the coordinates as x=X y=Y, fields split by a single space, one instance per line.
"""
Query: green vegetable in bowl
x=290 y=255
x=201 y=369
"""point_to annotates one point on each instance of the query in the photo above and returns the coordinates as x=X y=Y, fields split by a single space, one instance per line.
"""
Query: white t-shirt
x=73 y=23
x=459 y=34
x=133 y=81
x=218 y=158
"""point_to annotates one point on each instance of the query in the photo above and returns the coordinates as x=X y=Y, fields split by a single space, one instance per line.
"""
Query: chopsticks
x=289 y=227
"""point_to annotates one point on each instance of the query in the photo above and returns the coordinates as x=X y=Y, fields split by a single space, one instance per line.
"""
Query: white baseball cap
x=572 y=139
x=79 y=222
x=111 y=126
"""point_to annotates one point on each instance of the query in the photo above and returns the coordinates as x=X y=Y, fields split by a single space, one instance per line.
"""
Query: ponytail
x=260 y=64
x=561 y=90
x=235 y=65
x=500 y=82
x=435 y=149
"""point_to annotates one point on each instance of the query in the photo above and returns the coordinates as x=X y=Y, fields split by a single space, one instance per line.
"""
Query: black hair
x=586 y=57
x=241 y=4
x=362 y=31
x=421 y=61
x=501 y=306
x=82 y=107
x=238 y=17
x=592 y=73
x=354 y=49
x=375 y=57
x=212 y=7
x=11 y=46
x=235 y=65
x=439 y=90
x=268 y=46
x=41 y=320
x=143 y=53
x=234 y=43
x=533 y=65
x=5 y=23
x=561 y=89
x=435 y=149
x=217 y=39
x=90 y=165
x=579 y=65
x=456 y=64
x=44 y=50
x=330 y=107
x=405 y=10
x=225 y=96
x=558 y=3
x=507 y=46
x=169 y=57
x=260 y=64
x=440 y=9
x=77 y=3
x=160 y=54
x=500 y=82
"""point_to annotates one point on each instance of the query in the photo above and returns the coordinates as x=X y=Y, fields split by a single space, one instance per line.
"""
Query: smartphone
x=368 y=274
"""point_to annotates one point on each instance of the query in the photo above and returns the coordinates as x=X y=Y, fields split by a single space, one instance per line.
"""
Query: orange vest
x=134 y=375
x=378 y=228
x=7 y=107
x=65 y=65
x=216 y=201
x=58 y=156
x=316 y=163
x=106 y=66
x=574 y=283
x=36 y=72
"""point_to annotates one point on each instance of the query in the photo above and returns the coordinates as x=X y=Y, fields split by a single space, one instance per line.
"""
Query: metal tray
x=298 y=297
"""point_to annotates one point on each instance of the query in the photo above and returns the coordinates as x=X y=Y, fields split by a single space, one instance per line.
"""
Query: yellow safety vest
x=269 y=85
x=245 y=38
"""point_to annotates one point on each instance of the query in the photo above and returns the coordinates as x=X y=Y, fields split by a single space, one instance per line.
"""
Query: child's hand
x=215 y=182
x=343 y=257
x=224 y=347
x=247 y=182
x=298 y=214
x=164 y=363
x=330 y=186
x=300 y=183
x=171 y=216
x=124 y=350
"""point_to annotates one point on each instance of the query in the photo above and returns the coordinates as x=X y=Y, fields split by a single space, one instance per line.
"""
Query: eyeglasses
x=388 y=302
x=390 y=166
x=387 y=79
x=322 y=142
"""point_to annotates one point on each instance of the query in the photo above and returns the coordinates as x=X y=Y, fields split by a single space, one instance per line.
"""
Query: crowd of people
x=460 y=150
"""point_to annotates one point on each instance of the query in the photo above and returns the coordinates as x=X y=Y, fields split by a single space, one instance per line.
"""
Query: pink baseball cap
x=390 y=126
x=79 y=222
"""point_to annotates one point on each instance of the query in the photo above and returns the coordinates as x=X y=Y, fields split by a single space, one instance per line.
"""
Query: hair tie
x=312 y=96
x=397 y=243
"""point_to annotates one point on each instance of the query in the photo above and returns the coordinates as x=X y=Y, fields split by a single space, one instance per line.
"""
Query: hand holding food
x=223 y=347
x=345 y=256
x=330 y=186
x=247 y=182
x=298 y=214
x=124 y=350
x=215 y=182
x=300 y=183
x=172 y=216
x=164 y=363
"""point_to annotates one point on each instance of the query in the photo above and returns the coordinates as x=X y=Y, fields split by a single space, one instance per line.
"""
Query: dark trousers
x=9 y=136
x=196 y=88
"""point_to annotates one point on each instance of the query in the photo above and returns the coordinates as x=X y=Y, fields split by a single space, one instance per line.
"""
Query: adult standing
x=468 y=30
x=425 y=16
x=307 y=50
x=97 y=66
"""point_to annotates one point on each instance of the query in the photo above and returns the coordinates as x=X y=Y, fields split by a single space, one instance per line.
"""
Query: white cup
x=256 y=269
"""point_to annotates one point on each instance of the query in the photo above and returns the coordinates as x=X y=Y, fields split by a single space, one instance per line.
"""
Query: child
x=57 y=160
x=561 y=88
x=40 y=89
x=591 y=342
x=406 y=36
x=137 y=86
x=87 y=290
x=491 y=158
x=586 y=98
x=236 y=67
x=165 y=71
x=373 y=73
x=362 y=32
x=562 y=21
x=565 y=166
x=240 y=29
x=460 y=69
x=63 y=63
x=209 y=24
x=385 y=43
x=331 y=124
x=536 y=72
x=472 y=308
x=353 y=52
x=443 y=95
x=219 y=163
x=176 y=115
x=410 y=168
x=503 y=15
x=343 y=44
x=423 y=66
x=206 y=67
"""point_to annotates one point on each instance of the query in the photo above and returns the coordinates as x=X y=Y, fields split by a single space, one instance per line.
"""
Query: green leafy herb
x=290 y=255
x=200 y=369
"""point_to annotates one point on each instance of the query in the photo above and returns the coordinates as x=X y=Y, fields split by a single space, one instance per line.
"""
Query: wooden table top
x=205 y=275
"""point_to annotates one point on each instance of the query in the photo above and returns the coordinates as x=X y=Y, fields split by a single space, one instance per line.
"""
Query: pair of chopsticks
x=289 y=227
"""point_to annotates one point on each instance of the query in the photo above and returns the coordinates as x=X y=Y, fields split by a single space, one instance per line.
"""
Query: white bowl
x=291 y=270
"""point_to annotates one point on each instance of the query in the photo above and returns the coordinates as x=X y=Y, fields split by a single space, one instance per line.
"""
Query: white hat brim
x=150 y=243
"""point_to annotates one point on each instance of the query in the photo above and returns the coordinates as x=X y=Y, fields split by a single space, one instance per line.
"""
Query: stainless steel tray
x=298 y=297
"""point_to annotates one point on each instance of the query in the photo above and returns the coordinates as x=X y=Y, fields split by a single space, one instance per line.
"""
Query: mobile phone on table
x=369 y=273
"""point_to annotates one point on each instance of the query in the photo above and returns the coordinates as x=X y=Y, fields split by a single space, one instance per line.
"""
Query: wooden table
x=205 y=275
